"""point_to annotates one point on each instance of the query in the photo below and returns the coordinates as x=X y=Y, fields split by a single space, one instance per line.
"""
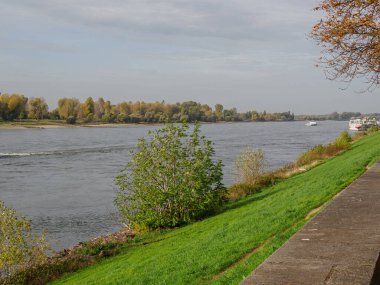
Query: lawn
x=226 y=248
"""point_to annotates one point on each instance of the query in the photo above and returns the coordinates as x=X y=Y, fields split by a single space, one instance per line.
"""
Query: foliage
x=335 y=116
x=350 y=37
x=127 y=112
x=171 y=179
x=68 y=107
x=19 y=248
x=320 y=152
x=37 y=108
x=240 y=190
x=249 y=166
x=88 y=108
x=226 y=247
x=12 y=106
x=343 y=141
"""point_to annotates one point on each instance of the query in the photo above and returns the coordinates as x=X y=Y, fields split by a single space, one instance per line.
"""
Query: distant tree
x=345 y=116
x=255 y=116
x=54 y=115
x=108 y=115
x=231 y=115
x=12 y=106
x=191 y=111
x=68 y=107
x=37 y=108
x=124 y=108
x=88 y=108
x=171 y=179
x=219 y=111
x=349 y=34
x=99 y=108
x=333 y=116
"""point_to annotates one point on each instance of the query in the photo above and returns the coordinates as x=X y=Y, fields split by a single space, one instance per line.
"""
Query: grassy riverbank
x=226 y=248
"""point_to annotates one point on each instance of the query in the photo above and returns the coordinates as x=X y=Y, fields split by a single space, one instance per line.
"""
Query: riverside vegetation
x=29 y=111
x=171 y=180
x=226 y=247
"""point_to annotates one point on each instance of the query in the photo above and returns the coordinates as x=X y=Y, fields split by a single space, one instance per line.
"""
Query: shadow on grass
x=260 y=195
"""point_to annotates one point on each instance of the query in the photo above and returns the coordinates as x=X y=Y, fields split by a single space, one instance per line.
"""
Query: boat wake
x=65 y=152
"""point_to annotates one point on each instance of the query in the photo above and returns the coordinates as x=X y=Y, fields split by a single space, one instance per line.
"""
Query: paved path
x=338 y=246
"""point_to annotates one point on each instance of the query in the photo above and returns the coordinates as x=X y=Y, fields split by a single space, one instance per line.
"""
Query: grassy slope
x=225 y=248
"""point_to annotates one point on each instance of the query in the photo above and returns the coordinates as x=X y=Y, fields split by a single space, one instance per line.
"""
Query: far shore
x=49 y=124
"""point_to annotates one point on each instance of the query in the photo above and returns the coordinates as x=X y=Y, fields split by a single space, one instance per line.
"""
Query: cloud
x=239 y=19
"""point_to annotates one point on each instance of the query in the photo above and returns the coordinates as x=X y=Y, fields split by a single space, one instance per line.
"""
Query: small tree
x=250 y=165
x=170 y=180
x=19 y=248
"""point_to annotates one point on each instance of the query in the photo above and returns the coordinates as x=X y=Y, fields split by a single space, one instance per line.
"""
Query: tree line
x=19 y=107
x=335 y=116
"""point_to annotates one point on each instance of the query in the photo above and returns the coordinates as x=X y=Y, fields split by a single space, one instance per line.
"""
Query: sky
x=248 y=54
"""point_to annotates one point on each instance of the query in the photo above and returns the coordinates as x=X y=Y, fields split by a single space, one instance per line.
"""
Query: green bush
x=171 y=179
x=19 y=248
x=343 y=141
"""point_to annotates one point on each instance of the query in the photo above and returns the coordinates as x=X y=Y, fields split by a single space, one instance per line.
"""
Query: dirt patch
x=312 y=212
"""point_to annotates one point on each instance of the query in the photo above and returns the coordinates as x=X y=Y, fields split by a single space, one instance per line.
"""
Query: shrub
x=240 y=190
x=19 y=248
x=373 y=129
x=249 y=166
x=343 y=141
x=268 y=179
x=170 y=180
x=314 y=154
x=324 y=151
x=357 y=136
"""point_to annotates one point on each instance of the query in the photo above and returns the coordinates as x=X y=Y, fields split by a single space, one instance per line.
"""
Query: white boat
x=362 y=124
x=311 y=124
x=355 y=124
x=369 y=122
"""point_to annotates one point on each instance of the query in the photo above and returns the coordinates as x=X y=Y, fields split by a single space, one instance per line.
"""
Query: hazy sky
x=248 y=54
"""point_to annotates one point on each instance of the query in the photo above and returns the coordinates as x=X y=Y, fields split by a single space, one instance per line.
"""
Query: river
x=64 y=179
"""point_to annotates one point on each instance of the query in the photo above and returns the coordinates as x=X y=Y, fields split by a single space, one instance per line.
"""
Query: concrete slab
x=339 y=246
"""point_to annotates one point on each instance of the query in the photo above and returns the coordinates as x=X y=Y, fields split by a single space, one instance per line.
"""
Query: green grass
x=226 y=248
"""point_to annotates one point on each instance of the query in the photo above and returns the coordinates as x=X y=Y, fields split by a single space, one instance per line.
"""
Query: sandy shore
x=23 y=127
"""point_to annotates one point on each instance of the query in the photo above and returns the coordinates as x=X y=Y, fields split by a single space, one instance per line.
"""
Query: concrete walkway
x=338 y=246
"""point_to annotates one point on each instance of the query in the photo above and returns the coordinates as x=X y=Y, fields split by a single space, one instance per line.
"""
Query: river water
x=64 y=179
